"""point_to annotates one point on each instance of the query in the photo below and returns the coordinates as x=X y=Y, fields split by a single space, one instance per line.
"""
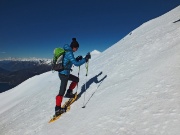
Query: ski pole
x=91 y=96
x=78 y=77
x=87 y=64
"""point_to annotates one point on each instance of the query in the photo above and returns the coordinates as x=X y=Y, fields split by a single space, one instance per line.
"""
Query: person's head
x=74 y=44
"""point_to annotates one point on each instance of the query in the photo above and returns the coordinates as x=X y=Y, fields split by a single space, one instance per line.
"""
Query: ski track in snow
x=132 y=89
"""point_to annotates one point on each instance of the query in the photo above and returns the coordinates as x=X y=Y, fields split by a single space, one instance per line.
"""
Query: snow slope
x=132 y=89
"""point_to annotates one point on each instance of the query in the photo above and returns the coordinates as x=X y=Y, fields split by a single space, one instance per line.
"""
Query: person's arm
x=74 y=61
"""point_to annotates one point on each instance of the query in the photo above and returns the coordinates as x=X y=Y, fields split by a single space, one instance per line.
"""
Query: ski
x=66 y=104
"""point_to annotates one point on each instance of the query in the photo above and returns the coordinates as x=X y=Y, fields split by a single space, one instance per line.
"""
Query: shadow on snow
x=88 y=83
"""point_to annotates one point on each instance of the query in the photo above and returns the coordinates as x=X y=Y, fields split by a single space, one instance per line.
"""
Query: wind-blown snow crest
x=132 y=88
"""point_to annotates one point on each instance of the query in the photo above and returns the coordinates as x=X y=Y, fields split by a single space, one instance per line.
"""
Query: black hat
x=74 y=43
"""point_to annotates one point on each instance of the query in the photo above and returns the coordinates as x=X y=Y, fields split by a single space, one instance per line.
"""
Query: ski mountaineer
x=65 y=75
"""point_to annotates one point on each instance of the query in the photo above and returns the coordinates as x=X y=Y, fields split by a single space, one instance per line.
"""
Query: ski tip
x=83 y=107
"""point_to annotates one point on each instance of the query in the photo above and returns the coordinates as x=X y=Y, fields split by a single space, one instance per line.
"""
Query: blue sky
x=33 y=28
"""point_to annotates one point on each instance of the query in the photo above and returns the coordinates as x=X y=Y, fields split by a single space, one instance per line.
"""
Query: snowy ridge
x=132 y=89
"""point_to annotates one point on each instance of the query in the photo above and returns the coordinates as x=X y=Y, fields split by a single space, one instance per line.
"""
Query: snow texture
x=132 y=89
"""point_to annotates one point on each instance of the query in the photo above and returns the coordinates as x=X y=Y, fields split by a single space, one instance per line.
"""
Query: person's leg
x=59 y=97
x=73 y=84
x=64 y=80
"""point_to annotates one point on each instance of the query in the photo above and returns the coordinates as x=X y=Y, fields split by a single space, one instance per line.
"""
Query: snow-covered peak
x=95 y=52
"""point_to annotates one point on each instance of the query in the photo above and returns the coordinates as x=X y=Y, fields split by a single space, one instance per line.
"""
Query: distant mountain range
x=15 y=71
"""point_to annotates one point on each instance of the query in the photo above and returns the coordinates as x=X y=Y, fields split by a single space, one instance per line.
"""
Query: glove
x=88 y=56
x=78 y=58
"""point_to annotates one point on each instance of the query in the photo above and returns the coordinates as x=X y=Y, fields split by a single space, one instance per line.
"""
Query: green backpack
x=57 y=62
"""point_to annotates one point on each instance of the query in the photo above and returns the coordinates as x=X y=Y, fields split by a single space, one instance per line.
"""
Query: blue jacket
x=69 y=60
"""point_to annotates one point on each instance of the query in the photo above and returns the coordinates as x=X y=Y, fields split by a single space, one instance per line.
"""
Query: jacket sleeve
x=73 y=60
